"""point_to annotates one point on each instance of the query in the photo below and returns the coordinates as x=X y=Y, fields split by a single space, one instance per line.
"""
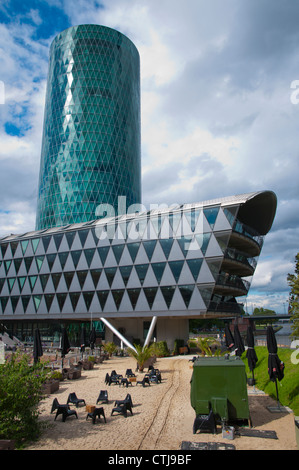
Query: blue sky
x=217 y=113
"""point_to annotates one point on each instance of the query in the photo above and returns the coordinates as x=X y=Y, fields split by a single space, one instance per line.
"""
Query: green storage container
x=218 y=385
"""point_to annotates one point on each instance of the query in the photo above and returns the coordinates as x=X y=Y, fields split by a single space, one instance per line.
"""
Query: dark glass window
x=56 y=278
x=13 y=247
x=211 y=215
x=24 y=244
x=50 y=258
x=37 y=300
x=83 y=235
x=17 y=263
x=176 y=268
x=103 y=252
x=88 y=296
x=61 y=299
x=32 y=281
x=89 y=252
x=118 y=295
x=39 y=262
x=11 y=281
x=125 y=272
x=21 y=281
x=95 y=274
x=49 y=299
x=74 y=296
x=184 y=243
x=35 y=243
x=14 y=302
x=68 y=277
x=3 y=247
x=168 y=294
x=118 y=251
x=158 y=269
x=63 y=258
x=133 y=250
x=195 y=265
x=150 y=294
x=203 y=241
x=149 y=247
x=166 y=246
x=81 y=277
x=110 y=273
x=134 y=295
x=186 y=292
x=141 y=270
x=25 y=301
x=7 y=265
x=76 y=256
x=70 y=238
x=46 y=241
x=57 y=239
x=102 y=296
x=43 y=280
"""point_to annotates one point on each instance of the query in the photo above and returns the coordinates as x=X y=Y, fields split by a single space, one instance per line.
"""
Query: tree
x=264 y=312
x=141 y=354
x=293 y=281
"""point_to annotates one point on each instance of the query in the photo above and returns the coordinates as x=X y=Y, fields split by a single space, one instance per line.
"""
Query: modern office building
x=157 y=268
x=91 y=136
x=136 y=274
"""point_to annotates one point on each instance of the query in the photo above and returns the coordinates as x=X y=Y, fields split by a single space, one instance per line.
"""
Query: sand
x=162 y=414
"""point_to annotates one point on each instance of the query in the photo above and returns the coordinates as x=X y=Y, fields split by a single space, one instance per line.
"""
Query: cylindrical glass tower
x=91 y=137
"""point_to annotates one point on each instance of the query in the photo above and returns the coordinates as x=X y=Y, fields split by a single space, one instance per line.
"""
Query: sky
x=219 y=108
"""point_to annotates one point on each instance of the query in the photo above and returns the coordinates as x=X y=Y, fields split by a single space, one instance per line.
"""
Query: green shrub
x=178 y=343
x=160 y=349
x=20 y=393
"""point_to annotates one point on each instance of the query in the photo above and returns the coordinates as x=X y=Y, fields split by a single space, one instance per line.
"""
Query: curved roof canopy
x=258 y=211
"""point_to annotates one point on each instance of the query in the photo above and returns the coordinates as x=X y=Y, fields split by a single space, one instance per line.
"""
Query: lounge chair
x=128 y=399
x=129 y=373
x=103 y=397
x=56 y=404
x=72 y=398
x=125 y=382
x=122 y=408
x=98 y=412
x=144 y=381
x=65 y=412
x=114 y=374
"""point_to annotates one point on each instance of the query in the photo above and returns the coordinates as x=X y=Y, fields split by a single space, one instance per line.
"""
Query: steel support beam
x=117 y=333
x=150 y=331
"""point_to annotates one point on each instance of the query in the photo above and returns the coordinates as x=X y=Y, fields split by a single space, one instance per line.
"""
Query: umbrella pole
x=253 y=380
x=277 y=393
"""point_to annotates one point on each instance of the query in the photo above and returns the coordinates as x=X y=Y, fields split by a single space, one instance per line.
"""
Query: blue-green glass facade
x=91 y=137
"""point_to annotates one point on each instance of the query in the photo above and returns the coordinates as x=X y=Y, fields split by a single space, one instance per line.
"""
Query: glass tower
x=91 y=137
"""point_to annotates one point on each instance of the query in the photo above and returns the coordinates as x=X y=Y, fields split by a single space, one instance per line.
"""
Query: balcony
x=225 y=307
x=246 y=239
x=230 y=284
x=237 y=262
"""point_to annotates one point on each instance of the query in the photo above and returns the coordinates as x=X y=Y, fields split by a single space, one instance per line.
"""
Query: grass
x=288 y=387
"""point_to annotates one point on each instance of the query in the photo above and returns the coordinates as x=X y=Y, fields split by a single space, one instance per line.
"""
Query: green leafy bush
x=20 y=393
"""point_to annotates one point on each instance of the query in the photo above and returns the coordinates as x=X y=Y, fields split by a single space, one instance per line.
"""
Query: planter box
x=74 y=374
x=50 y=387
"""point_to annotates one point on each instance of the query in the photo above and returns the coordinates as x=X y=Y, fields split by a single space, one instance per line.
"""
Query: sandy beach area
x=162 y=414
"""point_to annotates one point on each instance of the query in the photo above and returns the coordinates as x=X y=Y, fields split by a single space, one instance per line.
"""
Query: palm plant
x=141 y=354
x=204 y=345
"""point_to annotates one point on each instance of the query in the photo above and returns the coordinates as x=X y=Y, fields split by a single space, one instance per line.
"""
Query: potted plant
x=141 y=354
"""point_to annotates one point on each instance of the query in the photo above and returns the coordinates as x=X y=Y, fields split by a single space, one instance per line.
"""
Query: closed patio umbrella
x=239 y=345
x=275 y=365
x=229 y=340
x=65 y=345
x=37 y=346
x=251 y=353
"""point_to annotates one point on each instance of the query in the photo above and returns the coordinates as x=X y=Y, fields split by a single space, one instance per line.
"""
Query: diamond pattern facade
x=91 y=137
x=193 y=260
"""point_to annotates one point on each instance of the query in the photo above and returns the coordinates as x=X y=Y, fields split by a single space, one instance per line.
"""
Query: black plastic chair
x=125 y=382
x=113 y=379
x=114 y=374
x=128 y=399
x=65 y=412
x=98 y=412
x=56 y=404
x=103 y=397
x=129 y=373
x=72 y=398
x=144 y=381
x=122 y=408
